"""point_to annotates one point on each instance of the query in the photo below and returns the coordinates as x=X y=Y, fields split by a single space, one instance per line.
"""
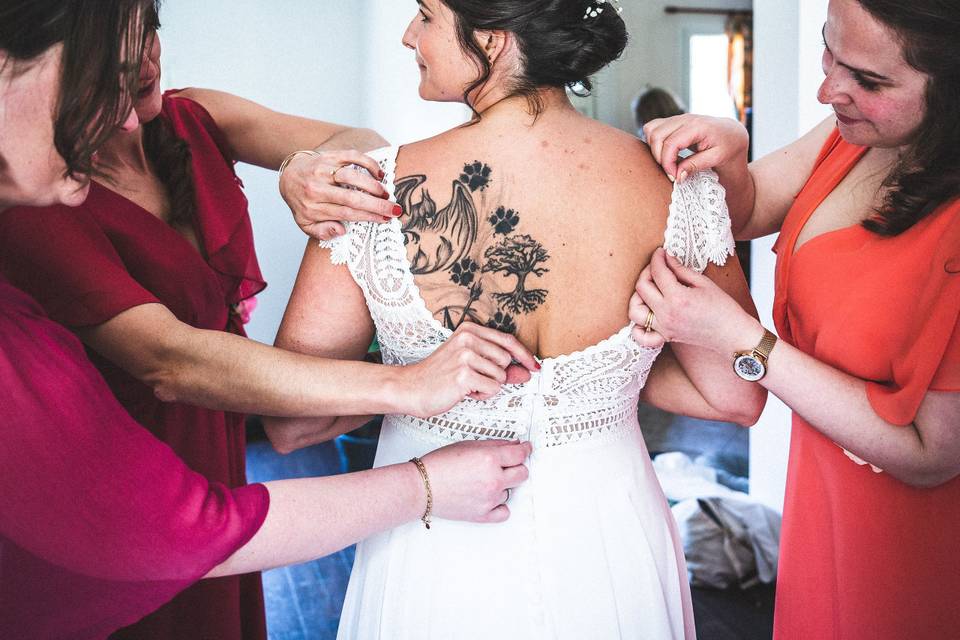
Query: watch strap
x=766 y=345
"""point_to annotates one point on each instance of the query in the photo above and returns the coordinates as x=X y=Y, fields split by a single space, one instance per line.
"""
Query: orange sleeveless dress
x=865 y=556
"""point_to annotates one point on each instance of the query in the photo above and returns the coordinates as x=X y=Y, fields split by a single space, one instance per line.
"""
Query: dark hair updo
x=559 y=46
x=928 y=174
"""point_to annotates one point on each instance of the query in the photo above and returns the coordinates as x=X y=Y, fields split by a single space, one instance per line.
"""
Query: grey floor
x=303 y=602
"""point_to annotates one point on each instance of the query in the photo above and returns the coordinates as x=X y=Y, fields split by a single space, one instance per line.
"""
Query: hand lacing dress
x=591 y=549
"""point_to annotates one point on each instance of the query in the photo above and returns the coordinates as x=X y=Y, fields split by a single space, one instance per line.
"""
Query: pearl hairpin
x=597 y=7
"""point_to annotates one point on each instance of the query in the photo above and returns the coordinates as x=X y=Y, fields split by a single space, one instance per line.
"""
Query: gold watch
x=752 y=365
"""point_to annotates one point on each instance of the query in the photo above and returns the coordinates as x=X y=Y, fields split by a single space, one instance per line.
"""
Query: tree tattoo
x=519 y=256
x=478 y=259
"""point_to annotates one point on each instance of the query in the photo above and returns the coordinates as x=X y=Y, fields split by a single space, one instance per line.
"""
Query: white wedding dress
x=591 y=550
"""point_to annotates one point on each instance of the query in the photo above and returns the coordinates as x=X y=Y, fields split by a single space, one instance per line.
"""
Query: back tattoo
x=474 y=243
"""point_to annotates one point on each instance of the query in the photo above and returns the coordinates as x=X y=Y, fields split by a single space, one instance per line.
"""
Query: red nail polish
x=537 y=365
x=386 y=218
x=397 y=210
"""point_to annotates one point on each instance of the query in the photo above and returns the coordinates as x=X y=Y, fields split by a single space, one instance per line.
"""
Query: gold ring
x=333 y=172
x=648 y=325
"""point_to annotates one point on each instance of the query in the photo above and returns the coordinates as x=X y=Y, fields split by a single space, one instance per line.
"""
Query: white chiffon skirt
x=590 y=552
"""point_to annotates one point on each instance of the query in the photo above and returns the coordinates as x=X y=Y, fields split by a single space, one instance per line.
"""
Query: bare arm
x=218 y=370
x=925 y=453
x=313 y=517
x=693 y=310
x=696 y=381
x=760 y=194
x=326 y=316
x=264 y=137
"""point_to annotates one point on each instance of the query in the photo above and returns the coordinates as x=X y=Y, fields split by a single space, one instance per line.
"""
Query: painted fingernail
x=386 y=218
x=397 y=210
x=683 y=176
x=381 y=174
x=537 y=366
x=672 y=179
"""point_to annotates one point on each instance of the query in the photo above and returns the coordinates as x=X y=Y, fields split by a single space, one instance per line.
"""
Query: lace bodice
x=582 y=396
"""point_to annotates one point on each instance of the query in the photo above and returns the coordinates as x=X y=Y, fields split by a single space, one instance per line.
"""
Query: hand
x=320 y=203
x=469 y=480
x=716 y=142
x=475 y=362
x=690 y=308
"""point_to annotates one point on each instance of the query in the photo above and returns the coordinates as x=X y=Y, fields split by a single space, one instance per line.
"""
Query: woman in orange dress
x=867 y=306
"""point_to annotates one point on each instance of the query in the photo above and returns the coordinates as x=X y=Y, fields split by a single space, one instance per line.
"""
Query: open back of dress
x=590 y=550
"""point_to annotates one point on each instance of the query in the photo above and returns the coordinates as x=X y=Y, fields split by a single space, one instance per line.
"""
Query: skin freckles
x=877 y=96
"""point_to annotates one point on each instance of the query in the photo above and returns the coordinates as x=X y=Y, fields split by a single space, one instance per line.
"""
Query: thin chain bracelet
x=286 y=161
x=426 y=482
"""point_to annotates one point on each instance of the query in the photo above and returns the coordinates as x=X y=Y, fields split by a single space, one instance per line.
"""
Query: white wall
x=786 y=76
x=336 y=61
x=655 y=55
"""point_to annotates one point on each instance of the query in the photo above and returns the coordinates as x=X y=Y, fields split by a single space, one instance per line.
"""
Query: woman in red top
x=100 y=522
x=867 y=308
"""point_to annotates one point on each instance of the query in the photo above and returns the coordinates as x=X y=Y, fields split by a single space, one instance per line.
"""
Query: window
x=708 y=89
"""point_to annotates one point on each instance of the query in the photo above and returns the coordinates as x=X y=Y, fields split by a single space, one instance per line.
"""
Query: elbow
x=166 y=379
x=743 y=409
x=370 y=140
x=279 y=436
x=289 y=434
x=929 y=477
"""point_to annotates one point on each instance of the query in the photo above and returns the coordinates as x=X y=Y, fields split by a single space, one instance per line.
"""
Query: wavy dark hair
x=102 y=42
x=559 y=47
x=170 y=156
x=928 y=173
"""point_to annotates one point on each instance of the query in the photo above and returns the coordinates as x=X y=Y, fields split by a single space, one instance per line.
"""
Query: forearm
x=711 y=375
x=290 y=434
x=218 y=370
x=669 y=389
x=313 y=517
x=836 y=405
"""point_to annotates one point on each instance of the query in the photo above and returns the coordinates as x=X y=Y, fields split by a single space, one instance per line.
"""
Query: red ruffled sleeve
x=228 y=235
x=100 y=523
x=930 y=361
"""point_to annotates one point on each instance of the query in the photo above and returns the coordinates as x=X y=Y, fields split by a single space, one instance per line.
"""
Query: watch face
x=749 y=368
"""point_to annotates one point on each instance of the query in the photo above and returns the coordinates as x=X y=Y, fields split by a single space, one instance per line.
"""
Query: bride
x=535 y=220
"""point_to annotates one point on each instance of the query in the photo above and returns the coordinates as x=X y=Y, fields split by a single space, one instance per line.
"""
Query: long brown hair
x=102 y=42
x=170 y=156
x=928 y=174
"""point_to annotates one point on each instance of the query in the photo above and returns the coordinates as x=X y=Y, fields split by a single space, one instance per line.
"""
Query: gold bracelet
x=286 y=161
x=426 y=482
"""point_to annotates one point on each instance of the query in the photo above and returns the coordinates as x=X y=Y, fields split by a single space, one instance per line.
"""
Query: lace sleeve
x=346 y=249
x=698 y=227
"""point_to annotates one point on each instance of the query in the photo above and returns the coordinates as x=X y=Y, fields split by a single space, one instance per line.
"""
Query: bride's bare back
x=535 y=228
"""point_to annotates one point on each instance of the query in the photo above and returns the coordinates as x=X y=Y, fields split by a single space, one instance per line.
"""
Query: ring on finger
x=648 y=325
x=333 y=172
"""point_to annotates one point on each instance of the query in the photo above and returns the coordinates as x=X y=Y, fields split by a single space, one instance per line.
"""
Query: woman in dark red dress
x=104 y=516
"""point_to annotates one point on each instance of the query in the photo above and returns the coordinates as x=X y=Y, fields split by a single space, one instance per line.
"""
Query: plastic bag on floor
x=728 y=541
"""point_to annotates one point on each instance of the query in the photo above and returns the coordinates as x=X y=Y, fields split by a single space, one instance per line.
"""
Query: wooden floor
x=304 y=602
